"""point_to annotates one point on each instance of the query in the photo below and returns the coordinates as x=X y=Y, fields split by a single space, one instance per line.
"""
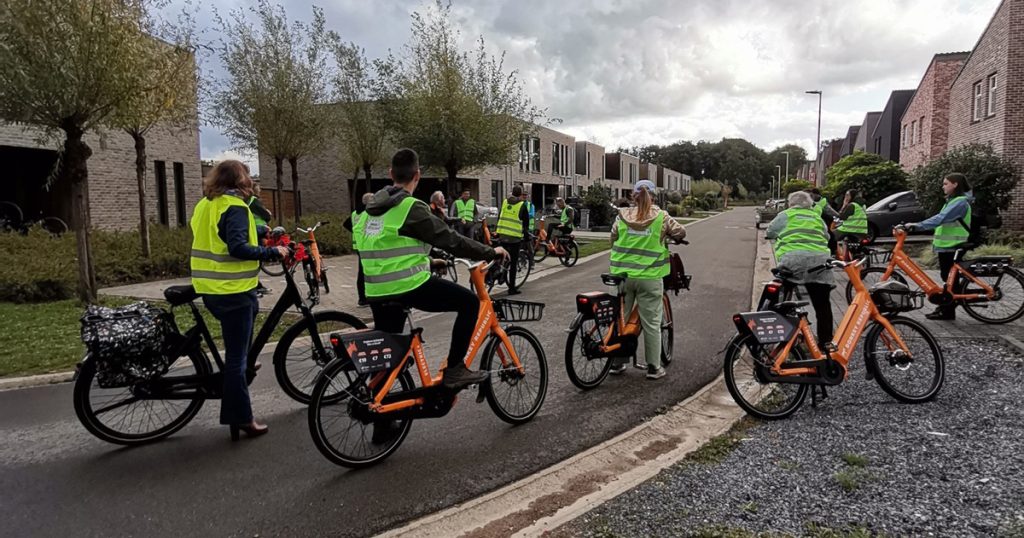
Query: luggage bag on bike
x=129 y=343
x=676 y=279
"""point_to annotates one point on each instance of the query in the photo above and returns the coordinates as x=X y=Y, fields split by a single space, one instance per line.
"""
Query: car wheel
x=872 y=233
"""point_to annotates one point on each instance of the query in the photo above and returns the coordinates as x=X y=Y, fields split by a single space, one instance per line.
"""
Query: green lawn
x=46 y=337
x=586 y=249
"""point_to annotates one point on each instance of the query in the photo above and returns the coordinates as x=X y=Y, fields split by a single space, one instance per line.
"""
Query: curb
x=25 y=382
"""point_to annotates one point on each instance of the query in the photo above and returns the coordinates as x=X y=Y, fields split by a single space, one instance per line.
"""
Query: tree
x=992 y=178
x=743 y=162
x=794 y=185
x=458 y=110
x=362 y=127
x=66 y=66
x=169 y=77
x=797 y=157
x=598 y=199
x=873 y=175
x=272 y=99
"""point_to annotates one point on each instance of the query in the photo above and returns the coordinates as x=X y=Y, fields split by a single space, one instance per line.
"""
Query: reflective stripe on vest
x=392 y=264
x=857 y=223
x=214 y=271
x=465 y=208
x=953 y=234
x=804 y=232
x=258 y=220
x=640 y=253
x=509 y=224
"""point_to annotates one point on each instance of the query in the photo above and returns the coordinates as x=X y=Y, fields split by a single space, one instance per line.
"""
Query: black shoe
x=385 y=431
x=618 y=368
x=514 y=292
x=942 y=314
x=655 y=372
x=460 y=377
x=363 y=303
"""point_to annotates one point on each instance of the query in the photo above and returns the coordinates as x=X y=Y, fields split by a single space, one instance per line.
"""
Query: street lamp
x=778 y=169
x=787 y=169
x=817 y=146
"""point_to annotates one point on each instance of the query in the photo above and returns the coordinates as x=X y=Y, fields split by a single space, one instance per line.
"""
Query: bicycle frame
x=625 y=326
x=930 y=287
x=861 y=311
x=486 y=325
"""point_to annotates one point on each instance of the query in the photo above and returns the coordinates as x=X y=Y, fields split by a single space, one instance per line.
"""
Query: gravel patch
x=859 y=464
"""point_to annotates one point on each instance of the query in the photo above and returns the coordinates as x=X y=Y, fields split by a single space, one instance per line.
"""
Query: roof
x=978 y=42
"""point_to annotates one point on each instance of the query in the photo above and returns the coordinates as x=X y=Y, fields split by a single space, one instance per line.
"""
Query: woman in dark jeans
x=225 y=256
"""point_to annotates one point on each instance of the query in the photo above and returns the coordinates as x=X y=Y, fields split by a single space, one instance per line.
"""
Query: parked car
x=892 y=210
x=771 y=209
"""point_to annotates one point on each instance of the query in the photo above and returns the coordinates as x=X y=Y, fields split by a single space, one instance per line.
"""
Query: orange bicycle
x=767 y=369
x=365 y=401
x=563 y=247
x=988 y=287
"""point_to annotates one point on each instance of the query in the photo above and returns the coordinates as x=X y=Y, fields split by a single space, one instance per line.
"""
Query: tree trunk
x=296 y=200
x=74 y=170
x=368 y=171
x=140 y=177
x=453 y=173
x=278 y=186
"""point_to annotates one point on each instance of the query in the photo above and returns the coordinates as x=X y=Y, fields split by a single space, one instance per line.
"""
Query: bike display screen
x=767 y=327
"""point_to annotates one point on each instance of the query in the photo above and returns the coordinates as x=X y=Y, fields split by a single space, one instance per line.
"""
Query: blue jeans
x=237 y=314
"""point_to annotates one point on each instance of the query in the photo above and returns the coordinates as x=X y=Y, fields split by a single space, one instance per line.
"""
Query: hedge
x=41 y=268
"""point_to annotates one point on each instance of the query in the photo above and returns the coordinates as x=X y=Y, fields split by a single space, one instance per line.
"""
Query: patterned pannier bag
x=129 y=343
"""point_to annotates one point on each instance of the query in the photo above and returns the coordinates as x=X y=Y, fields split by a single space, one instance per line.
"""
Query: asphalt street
x=57 y=480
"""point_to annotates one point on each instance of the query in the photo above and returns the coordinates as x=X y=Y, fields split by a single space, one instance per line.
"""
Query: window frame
x=976 y=99
x=992 y=86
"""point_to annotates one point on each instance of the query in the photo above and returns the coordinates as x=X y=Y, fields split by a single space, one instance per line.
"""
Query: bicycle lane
x=55 y=478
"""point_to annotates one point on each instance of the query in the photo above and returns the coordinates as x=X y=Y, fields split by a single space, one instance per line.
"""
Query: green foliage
x=740 y=192
x=701 y=188
x=744 y=163
x=794 y=185
x=718 y=448
x=855 y=460
x=797 y=157
x=992 y=178
x=874 y=176
x=598 y=200
x=674 y=197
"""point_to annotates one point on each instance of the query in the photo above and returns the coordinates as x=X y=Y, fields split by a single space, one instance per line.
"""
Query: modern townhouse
x=622 y=171
x=850 y=142
x=865 y=131
x=887 y=138
x=926 y=120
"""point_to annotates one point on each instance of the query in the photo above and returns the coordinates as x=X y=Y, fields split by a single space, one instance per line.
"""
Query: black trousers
x=945 y=266
x=435 y=295
x=564 y=230
x=360 y=280
x=513 y=259
x=820 y=297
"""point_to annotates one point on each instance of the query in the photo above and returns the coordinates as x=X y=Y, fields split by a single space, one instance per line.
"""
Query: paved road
x=56 y=480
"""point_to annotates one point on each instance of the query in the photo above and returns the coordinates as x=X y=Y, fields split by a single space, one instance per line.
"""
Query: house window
x=990 y=109
x=913 y=132
x=977 y=109
x=524 y=154
x=556 y=155
x=588 y=165
x=160 y=169
x=535 y=154
x=179 y=193
x=920 y=127
x=903 y=136
x=497 y=189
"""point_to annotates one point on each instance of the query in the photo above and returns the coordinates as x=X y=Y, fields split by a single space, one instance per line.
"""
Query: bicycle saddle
x=612 y=280
x=179 y=295
x=783 y=273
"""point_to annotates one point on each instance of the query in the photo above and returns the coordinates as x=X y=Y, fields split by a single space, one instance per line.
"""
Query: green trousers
x=647 y=294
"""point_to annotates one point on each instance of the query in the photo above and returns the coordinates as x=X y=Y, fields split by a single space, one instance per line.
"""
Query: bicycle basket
x=371 y=351
x=989 y=265
x=892 y=296
x=130 y=343
x=676 y=279
x=510 y=310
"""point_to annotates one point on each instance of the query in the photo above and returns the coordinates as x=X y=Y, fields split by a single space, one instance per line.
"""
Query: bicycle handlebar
x=835 y=264
x=313 y=229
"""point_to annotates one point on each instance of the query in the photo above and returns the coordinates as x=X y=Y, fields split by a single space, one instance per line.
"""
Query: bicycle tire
x=571 y=255
x=540 y=253
x=322 y=399
x=11 y=216
x=868 y=281
x=523 y=267
x=510 y=377
x=886 y=376
x=737 y=346
x=85 y=388
x=297 y=372
x=980 y=310
x=452 y=273
x=578 y=367
x=311 y=281
x=276 y=272
x=323 y=280
x=54 y=225
x=668 y=333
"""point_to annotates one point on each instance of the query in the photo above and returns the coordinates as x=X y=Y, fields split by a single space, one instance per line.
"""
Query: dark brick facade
x=885 y=140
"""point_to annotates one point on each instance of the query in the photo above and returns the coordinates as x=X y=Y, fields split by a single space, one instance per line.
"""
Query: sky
x=635 y=72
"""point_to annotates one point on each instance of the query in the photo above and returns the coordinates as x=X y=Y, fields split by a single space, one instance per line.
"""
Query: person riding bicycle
x=854 y=219
x=224 y=266
x=801 y=244
x=394 y=242
x=350 y=225
x=639 y=253
x=513 y=226
x=952 y=228
x=565 y=222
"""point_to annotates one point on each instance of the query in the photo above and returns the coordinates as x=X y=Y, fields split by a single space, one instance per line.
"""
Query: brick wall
x=931 y=102
x=323 y=184
x=1009 y=105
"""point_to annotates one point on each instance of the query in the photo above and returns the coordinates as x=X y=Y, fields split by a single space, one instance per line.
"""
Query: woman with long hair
x=225 y=263
x=639 y=253
x=952 y=228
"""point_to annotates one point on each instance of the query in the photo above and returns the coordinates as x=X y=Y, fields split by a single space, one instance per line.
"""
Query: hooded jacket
x=524 y=216
x=632 y=218
x=421 y=224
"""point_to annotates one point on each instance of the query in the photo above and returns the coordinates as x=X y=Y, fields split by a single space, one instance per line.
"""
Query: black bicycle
x=146 y=410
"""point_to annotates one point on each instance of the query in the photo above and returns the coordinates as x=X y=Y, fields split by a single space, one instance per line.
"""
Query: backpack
x=975 y=232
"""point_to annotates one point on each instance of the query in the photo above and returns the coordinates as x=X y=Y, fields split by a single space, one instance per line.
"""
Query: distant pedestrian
x=466 y=211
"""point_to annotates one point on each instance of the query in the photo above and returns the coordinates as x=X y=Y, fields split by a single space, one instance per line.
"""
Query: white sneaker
x=655 y=372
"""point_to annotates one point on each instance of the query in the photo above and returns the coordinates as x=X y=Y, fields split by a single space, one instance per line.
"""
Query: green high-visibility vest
x=356 y=230
x=819 y=206
x=953 y=234
x=258 y=220
x=857 y=223
x=509 y=224
x=564 y=219
x=531 y=211
x=214 y=271
x=640 y=253
x=465 y=209
x=804 y=232
x=392 y=264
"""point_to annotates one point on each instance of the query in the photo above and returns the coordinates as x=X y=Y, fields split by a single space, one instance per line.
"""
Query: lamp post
x=817 y=142
x=778 y=169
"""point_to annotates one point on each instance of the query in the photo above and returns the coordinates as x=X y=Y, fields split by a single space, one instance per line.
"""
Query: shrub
x=991 y=176
x=702 y=187
x=794 y=185
x=871 y=174
x=598 y=200
x=674 y=197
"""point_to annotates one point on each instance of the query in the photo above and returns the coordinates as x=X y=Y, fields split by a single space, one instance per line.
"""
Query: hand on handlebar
x=283 y=252
x=500 y=251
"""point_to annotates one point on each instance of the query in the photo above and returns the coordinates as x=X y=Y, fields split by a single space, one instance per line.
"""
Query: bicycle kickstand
x=814 y=394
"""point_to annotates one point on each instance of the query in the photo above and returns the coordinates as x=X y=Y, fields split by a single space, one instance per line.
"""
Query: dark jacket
x=233 y=229
x=422 y=225
x=259 y=210
x=524 y=216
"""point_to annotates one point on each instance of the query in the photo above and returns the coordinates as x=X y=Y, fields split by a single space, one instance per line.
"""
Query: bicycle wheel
x=342 y=427
x=11 y=216
x=515 y=396
x=452 y=273
x=272 y=268
x=323 y=280
x=586 y=373
x=668 y=333
x=758 y=397
x=912 y=379
x=298 y=361
x=523 y=267
x=870 y=276
x=1008 y=307
x=118 y=416
x=540 y=253
x=571 y=255
x=54 y=225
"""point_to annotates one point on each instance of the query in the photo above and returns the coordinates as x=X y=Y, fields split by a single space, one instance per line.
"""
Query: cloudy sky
x=626 y=72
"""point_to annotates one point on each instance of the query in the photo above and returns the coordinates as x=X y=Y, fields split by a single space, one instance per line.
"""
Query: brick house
x=885 y=140
x=925 y=126
x=622 y=171
x=671 y=181
x=850 y=141
x=865 y=131
x=547 y=169
x=173 y=176
x=589 y=163
x=987 y=95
